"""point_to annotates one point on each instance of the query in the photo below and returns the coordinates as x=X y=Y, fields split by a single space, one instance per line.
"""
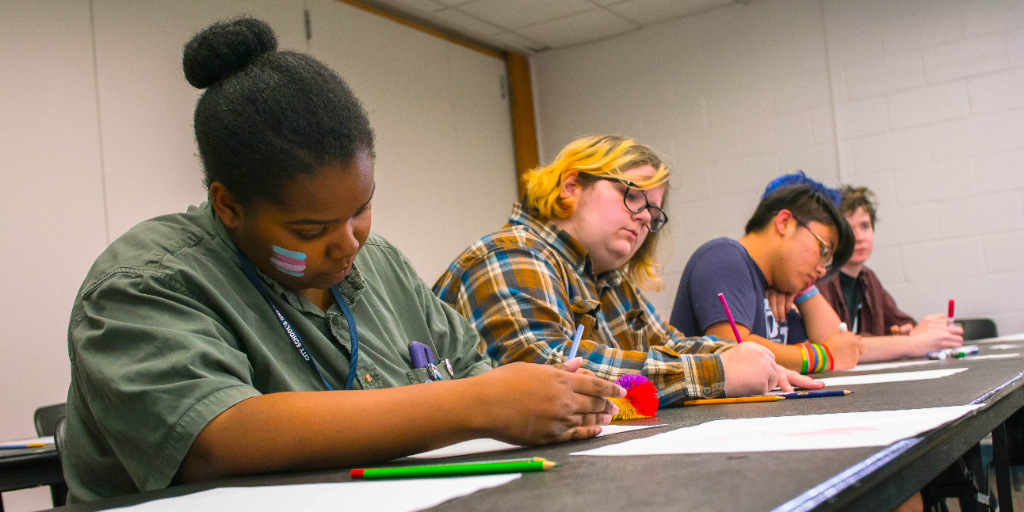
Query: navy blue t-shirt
x=724 y=266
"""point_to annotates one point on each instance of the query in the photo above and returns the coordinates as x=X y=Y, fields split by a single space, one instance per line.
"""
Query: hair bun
x=225 y=48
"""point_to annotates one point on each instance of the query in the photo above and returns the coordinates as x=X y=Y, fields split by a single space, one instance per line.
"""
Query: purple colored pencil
x=732 y=323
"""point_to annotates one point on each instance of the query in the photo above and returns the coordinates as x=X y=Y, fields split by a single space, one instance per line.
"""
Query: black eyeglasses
x=826 y=249
x=636 y=201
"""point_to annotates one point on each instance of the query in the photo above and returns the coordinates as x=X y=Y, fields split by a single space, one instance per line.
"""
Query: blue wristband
x=811 y=292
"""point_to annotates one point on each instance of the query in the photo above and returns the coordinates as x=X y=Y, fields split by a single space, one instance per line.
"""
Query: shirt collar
x=562 y=242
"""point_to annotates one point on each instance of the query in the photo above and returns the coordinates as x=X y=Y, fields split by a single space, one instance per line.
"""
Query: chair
x=978 y=328
x=47 y=420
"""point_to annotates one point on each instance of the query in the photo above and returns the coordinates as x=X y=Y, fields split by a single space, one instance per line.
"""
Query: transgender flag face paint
x=288 y=262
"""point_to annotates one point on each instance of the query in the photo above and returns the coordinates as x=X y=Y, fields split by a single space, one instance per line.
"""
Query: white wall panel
x=52 y=224
x=926 y=97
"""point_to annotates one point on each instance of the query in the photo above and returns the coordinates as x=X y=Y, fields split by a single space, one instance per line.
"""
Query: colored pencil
x=728 y=314
x=464 y=469
x=949 y=315
x=22 y=446
x=737 y=400
x=576 y=341
x=812 y=394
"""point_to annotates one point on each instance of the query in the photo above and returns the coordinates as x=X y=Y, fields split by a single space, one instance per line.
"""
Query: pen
x=468 y=468
x=949 y=315
x=737 y=400
x=955 y=353
x=728 y=314
x=812 y=394
x=576 y=341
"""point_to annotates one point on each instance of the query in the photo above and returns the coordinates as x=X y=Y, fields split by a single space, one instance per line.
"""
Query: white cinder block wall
x=920 y=100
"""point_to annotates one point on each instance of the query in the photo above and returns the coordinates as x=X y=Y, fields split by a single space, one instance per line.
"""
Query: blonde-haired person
x=576 y=251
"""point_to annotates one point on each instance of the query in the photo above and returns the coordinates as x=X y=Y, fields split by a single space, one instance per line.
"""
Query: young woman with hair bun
x=268 y=329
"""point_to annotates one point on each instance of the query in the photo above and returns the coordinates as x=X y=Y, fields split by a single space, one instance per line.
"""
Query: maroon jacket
x=878 y=312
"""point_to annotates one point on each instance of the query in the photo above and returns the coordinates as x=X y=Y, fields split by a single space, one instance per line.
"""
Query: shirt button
x=368 y=378
x=707 y=391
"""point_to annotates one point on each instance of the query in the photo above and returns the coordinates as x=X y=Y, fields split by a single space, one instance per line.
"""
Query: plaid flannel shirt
x=527 y=287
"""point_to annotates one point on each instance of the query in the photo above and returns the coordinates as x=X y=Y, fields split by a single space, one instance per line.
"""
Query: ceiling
x=538 y=25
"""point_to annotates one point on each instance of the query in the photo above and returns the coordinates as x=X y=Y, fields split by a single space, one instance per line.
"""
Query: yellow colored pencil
x=737 y=400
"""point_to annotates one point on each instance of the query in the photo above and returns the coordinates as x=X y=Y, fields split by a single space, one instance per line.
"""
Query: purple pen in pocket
x=420 y=354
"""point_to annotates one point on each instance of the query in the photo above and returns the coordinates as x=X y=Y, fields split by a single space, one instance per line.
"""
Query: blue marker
x=576 y=341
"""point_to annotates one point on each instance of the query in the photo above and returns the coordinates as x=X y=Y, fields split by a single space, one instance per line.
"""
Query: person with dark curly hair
x=268 y=329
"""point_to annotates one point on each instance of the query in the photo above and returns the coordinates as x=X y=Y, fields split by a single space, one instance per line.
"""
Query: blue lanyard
x=250 y=272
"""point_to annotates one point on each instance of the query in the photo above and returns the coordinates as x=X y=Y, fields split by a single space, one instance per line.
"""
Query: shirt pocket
x=422 y=375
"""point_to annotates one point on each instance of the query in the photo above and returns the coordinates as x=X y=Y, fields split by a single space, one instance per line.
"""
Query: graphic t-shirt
x=724 y=266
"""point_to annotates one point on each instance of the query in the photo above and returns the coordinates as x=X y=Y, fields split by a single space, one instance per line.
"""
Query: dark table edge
x=902 y=468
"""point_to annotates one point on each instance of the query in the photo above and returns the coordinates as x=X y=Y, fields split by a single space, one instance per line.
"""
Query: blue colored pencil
x=812 y=394
x=576 y=341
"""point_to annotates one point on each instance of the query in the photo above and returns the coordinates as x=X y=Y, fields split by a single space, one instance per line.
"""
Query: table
x=870 y=479
x=32 y=467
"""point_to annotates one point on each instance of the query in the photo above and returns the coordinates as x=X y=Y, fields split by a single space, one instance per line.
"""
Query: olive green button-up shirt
x=167 y=333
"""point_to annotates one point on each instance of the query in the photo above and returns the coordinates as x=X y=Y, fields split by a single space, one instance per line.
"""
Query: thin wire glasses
x=826 y=249
x=636 y=201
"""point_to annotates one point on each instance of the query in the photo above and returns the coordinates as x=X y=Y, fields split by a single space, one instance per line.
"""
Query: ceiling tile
x=466 y=24
x=516 y=41
x=646 y=12
x=414 y=6
x=520 y=13
x=579 y=28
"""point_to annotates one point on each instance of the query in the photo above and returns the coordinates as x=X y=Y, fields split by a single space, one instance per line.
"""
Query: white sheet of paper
x=989 y=356
x=378 y=495
x=886 y=366
x=1006 y=346
x=44 y=440
x=1002 y=339
x=875 y=378
x=491 y=445
x=784 y=433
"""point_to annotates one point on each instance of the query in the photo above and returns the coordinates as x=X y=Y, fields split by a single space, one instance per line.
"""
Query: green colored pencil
x=462 y=469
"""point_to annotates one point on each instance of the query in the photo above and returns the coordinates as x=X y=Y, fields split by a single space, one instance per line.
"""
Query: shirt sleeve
x=153 y=366
x=518 y=302
x=723 y=270
x=893 y=314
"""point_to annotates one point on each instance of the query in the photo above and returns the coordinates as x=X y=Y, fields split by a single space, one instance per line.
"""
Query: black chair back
x=46 y=418
x=978 y=328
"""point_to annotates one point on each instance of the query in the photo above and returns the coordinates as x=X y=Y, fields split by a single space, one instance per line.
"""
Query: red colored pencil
x=732 y=323
x=949 y=316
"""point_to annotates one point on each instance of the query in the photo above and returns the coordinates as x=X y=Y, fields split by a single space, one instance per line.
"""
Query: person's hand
x=897 y=330
x=936 y=322
x=574 y=365
x=526 y=403
x=788 y=379
x=780 y=303
x=929 y=341
x=845 y=349
x=749 y=370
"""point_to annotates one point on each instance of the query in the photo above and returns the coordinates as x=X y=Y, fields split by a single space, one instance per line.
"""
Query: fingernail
x=606 y=419
x=622 y=391
x=615 y=409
